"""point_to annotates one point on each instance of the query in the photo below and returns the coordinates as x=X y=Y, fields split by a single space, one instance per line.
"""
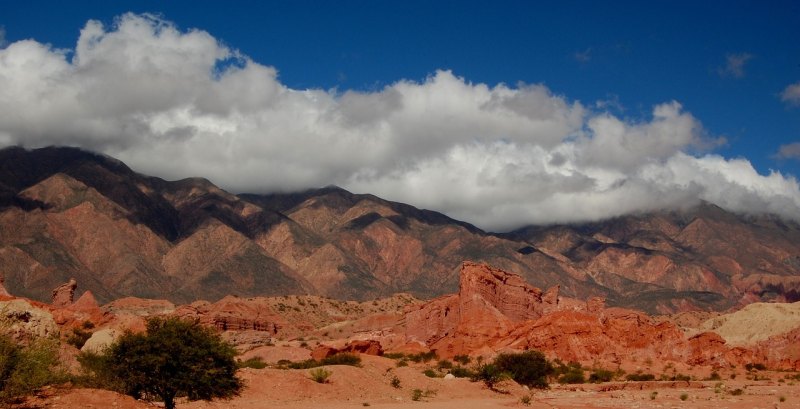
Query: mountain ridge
x=68 y=213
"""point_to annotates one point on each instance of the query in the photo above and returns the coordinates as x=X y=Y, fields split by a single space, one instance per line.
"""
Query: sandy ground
x=370 y=386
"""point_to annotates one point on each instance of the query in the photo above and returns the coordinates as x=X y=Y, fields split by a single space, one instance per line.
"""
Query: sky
x=501 y=114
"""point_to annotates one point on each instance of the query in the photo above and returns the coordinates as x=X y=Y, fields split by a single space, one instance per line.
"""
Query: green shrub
x=418 y=394
x=684 y=396
x=653 y=395
x=422 y=357
x=255 y=362
x=601 y=375
x=714 y=376
x=78 y=337
x=430 y=373
x=462 y=359
x=395 y=382
x=489 y=374
x=394 y=355
x=529 y=368
x=402 y=363
x=640 y=377
x=338 y=359
x=461 y=372
x=737 y=392
x=525 y=400
x=342 y=359
x=573 y=376
x=757 y=367
x=23 y=370
x=320 y=375
x=444 y=364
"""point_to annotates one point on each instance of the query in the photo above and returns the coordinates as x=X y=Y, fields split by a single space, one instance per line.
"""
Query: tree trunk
x=169 y=401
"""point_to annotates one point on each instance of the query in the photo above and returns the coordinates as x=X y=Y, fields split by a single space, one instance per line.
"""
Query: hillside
x=68 y=213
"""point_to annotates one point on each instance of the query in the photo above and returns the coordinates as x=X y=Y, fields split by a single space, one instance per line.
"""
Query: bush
x=430 y=373
x=78 y=337
x=737 y=392
x=525 y=400
x=422 y=357
x=320 y=375
x=394 y=355
x=601 y=375
x=684 y=396
x=444 y=364
x=462 y=359
x=574 y=375
x=23 y=370
x=461 y=372
x=342 y=359
x=529 y=368
x=255 y=362
x=714 y=376
x=418 y=394
x=653 y=395
x=489 y=374
x=174 y=358
x=640 y=377
x=759 y=367
x=395 y=382
x=338 y=359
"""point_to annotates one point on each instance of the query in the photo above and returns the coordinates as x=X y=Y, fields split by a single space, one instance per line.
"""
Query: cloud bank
x=180 y=103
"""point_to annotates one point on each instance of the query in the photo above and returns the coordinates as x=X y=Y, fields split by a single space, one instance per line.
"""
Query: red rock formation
x=235 y=314
x=495 y=311
x=63 y=294
x=368 y=347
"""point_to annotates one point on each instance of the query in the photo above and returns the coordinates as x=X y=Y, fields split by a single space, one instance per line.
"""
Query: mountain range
x=68 y=213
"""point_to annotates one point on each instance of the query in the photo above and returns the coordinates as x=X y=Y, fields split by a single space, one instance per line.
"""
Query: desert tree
x=174 y=358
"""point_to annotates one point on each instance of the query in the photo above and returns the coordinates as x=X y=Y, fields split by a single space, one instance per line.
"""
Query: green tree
x=174 y=358
x=529 y=368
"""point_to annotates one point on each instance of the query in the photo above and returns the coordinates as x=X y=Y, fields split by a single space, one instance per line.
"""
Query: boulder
x=24 y=322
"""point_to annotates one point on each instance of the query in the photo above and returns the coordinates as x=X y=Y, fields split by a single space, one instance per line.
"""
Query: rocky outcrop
x=235 y=314
x=495 y=311
x=63 y=294
x=490 y=303
x=24 y=322
x=367 y=347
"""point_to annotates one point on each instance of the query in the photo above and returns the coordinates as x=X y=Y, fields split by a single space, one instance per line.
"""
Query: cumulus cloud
x=791 y=94
x=180 y=103
x=734 y=65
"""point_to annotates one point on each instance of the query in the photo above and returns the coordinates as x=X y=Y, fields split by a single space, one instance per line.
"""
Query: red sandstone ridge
x=496 y=310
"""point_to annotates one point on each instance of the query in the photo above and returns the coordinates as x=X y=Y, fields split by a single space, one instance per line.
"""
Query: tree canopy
x=174 y=358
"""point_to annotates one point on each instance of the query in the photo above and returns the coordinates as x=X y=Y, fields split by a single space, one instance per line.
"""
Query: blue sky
x=727 y=63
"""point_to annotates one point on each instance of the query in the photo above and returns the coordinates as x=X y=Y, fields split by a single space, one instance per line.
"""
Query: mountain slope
x=70 y=213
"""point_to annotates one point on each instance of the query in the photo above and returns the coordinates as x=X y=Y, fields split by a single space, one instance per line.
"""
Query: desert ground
x=370 y=385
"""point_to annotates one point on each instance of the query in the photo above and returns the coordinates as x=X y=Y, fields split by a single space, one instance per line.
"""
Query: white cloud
x=789 y=151
x=179 y=104
x=791 y=95
x=734 y=65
